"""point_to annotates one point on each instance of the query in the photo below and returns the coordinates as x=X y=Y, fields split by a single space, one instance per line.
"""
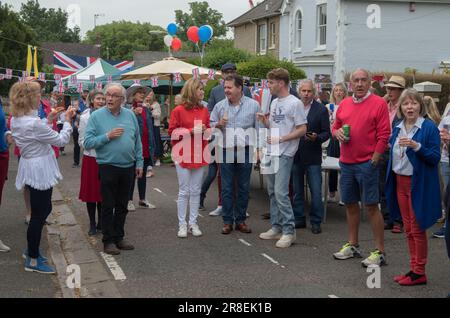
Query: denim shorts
x=359 y=183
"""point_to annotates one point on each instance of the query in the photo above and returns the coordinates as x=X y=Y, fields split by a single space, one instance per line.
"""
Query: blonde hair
x=189 y=93
x=344 y=88
x=414 y=95
x=432 y=110
x=24 y=97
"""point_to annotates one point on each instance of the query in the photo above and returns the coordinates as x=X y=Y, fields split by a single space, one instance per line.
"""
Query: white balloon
x=168 y=40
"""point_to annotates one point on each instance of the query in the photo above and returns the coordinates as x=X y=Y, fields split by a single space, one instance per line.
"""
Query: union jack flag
x=99 y=86
x=211 y=74
x=41 y=77
x=57 y=78
x=92 y=78
x=67 y=64
x=73 y=79
x=137 y=81
x=8 y=73
x=263 y=83
x=155 y=81
x=80 y=87
x=177 y=77
x=196 y=72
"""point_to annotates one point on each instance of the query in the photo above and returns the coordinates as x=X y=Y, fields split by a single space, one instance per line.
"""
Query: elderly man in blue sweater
x=113 y=132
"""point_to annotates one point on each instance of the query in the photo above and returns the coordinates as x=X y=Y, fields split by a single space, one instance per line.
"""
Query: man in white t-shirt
x=286 y=123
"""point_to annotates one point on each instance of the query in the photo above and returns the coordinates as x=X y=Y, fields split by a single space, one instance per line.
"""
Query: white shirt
x=156 y=114
x=445 y=123
x=82 y=130
x=400 y=161
x=307 y=108
x=38 y=167
x=285 y=114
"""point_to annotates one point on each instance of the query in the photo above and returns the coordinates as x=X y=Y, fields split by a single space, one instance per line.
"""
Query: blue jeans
x=314 y=179
x=233 y=211
x=212 y=173
x=281 y=214
x=445 y=170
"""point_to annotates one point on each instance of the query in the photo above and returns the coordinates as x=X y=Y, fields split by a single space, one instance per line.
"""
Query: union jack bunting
x=21 y=79
x=8 y=73
x=263 y=83
x=92 y=79
x=109 y=78
x=41 y=77
x=24 y=74
x=155 y=81
x=196 y=72
x=57 y=78
x=2 y=77
x=99 y=86
x=61 y=87
x=177 y=77
x=137 y=81
x=80 y=87
x=73 y=79
x=211 y=74
x=349 y=87
x=319 y=87
x=204 y=82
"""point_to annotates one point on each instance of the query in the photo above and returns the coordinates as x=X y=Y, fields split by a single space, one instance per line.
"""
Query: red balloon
x=176 y=44
x=192 y=34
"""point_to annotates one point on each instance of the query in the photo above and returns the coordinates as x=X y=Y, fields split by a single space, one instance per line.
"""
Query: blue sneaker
x=440 y=233
x=38 y=267
x=43 y=259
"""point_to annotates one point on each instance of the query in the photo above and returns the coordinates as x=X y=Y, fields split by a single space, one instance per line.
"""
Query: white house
x=333 y=37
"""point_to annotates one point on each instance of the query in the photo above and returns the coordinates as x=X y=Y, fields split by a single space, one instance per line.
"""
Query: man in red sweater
x=368 y=118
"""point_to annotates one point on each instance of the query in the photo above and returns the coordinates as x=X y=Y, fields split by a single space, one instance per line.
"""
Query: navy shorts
x=360 y=183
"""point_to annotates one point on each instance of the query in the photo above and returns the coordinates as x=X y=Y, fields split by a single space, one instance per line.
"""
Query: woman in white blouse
x=90 y=191
x=38 y=169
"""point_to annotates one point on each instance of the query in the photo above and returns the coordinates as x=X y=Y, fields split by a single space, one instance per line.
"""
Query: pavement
x=211 y=266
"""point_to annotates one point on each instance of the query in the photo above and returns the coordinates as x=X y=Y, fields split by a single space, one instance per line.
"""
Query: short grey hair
x=307 y=81
x=360 y=70
x=122 y=89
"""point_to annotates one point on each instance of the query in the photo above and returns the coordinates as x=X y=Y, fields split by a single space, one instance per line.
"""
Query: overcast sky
x=157 y=12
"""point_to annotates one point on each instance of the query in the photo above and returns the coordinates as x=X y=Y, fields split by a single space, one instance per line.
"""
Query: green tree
x=200 y=14
x=12 y=54
x=119 y=39
x=49 y=25
x=259 y=66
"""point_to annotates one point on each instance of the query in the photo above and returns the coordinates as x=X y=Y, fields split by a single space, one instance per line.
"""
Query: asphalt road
x=242 y=265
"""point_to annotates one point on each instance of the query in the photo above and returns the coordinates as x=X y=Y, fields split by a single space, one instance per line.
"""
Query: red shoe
x=398 y=278
x=397 y=229
x=408 y=281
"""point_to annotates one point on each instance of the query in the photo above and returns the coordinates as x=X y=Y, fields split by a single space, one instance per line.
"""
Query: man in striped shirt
x=235 y=120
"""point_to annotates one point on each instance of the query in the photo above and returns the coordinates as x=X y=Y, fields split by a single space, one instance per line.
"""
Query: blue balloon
x=172 y=29
x=204 y=33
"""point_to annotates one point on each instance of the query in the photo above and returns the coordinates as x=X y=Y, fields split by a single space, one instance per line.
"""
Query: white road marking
x=113 y=267
x=245 y=242
x=270 y=259
x=332 y=296
x=158 y=190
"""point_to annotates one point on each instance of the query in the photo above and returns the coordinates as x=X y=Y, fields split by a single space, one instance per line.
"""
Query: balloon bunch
x=170 y=40
x=202 y=34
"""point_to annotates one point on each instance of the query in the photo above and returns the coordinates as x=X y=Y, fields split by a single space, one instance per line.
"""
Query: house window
x=298 y=29
x=262 y=37
x=322 y=25
x=272 y=35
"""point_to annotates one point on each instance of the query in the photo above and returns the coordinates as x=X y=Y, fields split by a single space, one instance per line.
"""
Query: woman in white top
x=38 y=169
x=90 y=191
x=156 y=114
x=338 y=93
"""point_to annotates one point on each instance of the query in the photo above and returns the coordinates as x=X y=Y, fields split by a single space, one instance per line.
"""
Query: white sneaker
x=146 y=205
x=246 y=214
x=195 y=230
x=4 y=248
x=182 y=231
x=130 y=206
x=347 y=251
x=270 y=235
x=216 y=212
x=157 y=163
x=286 y=240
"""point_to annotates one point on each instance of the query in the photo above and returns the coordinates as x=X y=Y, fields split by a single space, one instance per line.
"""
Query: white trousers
x=190 y=185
